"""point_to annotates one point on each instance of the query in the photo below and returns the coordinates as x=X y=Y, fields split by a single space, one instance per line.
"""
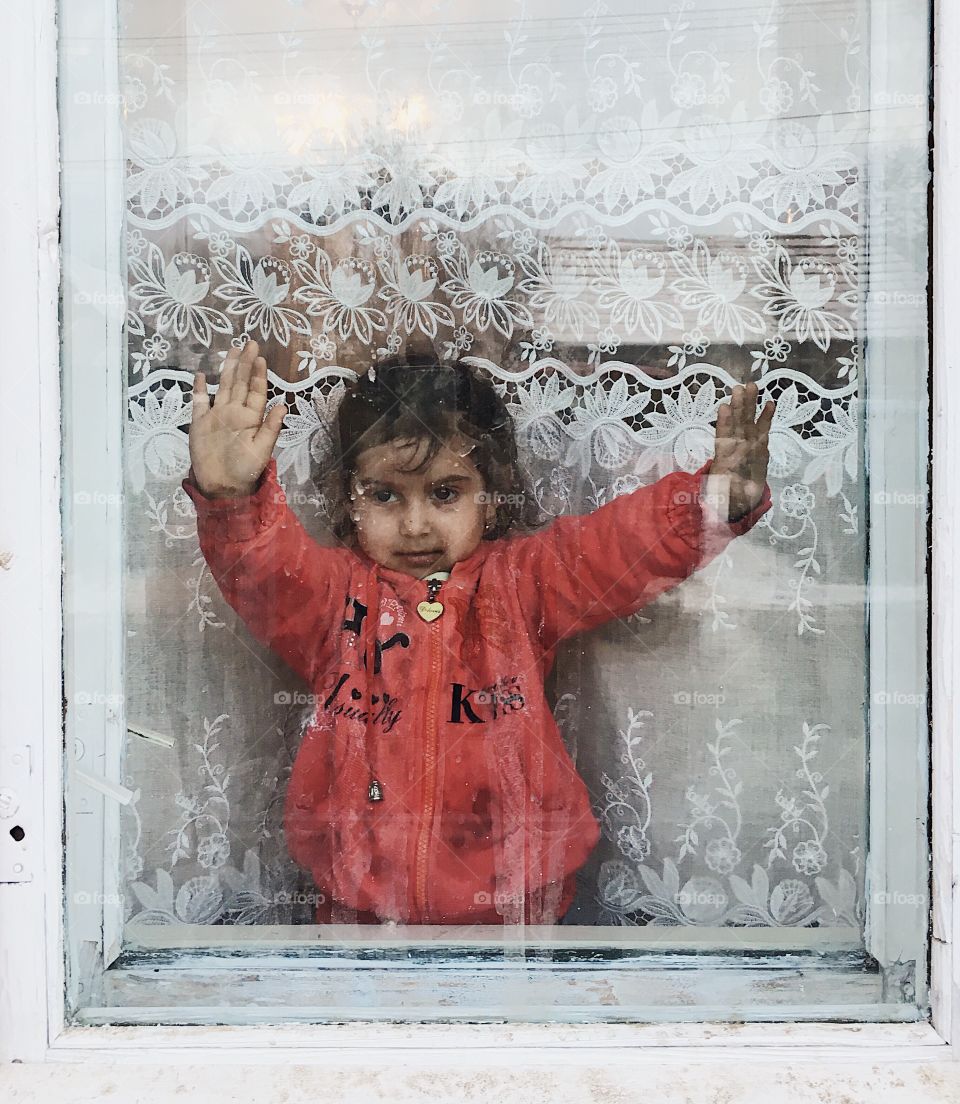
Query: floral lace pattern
x=615 y=239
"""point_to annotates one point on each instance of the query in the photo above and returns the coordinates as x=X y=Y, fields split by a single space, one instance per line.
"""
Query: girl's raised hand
x=230 y=441
x=741 y=451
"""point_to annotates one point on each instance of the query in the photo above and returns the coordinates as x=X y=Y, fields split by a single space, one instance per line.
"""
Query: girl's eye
x=382 y=491
x=446 y=494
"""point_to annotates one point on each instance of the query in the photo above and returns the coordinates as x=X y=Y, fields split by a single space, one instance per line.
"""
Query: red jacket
x=483 y=817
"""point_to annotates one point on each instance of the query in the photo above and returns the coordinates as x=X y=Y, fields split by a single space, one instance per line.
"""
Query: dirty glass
x=629 y=723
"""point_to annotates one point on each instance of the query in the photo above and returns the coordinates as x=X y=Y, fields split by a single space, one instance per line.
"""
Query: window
x=614 y=216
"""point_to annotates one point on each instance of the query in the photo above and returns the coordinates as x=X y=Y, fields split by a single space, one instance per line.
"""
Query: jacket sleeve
x=583 y=571
x=289 y=590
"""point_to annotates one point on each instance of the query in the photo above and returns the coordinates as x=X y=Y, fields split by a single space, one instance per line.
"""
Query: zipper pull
x=431 y=609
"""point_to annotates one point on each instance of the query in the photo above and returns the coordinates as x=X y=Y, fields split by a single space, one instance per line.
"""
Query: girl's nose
x=414 y=521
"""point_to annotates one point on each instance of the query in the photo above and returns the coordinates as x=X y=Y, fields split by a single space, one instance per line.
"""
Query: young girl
x=432 y=785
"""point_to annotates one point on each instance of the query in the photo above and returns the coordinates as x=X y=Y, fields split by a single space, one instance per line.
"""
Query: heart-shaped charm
x=430 y=611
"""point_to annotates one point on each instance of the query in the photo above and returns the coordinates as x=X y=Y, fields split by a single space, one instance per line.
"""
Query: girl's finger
x=241 y=383
x=748 y=407
x=227 y=372
x=724 y=415
x=238 y=393
x=760 y=459
x=736 y=406
x=766 y=418
x=266 y=436
x=201 y=398
x=750 y=395
x=257 y=395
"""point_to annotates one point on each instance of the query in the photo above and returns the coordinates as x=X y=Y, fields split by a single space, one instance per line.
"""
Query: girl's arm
x=289 y=590
x=583 y=571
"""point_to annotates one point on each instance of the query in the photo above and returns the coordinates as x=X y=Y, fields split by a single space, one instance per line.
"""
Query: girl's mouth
x=421 y=557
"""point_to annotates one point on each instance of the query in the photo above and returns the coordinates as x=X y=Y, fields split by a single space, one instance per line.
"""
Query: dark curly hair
x=418 y=397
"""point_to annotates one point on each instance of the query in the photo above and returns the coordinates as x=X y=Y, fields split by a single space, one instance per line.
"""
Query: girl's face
x=422 y=521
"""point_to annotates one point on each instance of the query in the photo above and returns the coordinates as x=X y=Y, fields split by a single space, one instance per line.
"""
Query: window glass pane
x=618 y=714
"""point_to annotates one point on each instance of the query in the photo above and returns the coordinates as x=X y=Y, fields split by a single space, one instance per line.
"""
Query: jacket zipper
x=430 y=764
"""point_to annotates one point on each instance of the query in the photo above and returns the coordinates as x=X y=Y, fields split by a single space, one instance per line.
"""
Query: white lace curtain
x=615 y=215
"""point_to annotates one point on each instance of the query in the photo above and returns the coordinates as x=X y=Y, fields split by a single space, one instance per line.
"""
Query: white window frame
x=32 y=1021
